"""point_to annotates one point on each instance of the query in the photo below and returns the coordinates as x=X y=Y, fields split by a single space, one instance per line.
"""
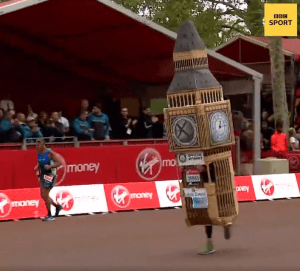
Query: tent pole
x=257 y=121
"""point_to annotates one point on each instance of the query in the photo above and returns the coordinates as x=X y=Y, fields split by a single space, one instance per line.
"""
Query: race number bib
x=48 y=178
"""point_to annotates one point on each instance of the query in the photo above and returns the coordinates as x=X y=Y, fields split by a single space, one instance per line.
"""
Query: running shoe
x=48 y=218
x=227 y=231
x=207 y=249
x=58 y=209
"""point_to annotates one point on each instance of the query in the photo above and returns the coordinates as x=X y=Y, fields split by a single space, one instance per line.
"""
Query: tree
x=215 y=23
x=278 y=82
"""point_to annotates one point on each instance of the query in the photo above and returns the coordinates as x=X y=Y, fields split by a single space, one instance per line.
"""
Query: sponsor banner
x=168 y=193
x=275 y=186
x=21 y=203
x=298 y=179
x=80 y=199
x=190 y=159
x=131 y=196
x=244 y=188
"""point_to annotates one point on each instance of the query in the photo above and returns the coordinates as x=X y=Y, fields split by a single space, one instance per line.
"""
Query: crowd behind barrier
x=85 y=126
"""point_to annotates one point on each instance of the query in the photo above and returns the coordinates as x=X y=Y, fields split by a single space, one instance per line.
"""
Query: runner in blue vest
x=47 y=166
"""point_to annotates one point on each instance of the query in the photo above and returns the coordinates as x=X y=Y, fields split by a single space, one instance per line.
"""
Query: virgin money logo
x=5 y=205
x=65 y=199
x=120 y=196
x=267 y=187
x=173 y=193
x=149 y=164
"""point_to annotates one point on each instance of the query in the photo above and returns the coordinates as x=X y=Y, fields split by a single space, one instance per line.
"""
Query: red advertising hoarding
x=131 y=196
x=96 y=165
x=21 y=203
x=244 y=188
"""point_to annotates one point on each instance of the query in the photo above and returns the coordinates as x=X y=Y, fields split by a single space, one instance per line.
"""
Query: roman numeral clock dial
x=219 y=127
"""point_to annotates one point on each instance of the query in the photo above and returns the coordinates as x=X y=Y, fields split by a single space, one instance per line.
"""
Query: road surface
x=266 y=236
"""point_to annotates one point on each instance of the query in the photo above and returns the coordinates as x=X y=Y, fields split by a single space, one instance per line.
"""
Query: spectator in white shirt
x=64 y=121
x=293 y=140
x=7 y=104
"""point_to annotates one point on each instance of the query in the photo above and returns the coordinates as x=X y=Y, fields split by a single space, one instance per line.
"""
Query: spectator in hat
x=81 y=127
x=294 y=142
x=35 y=130
x=100 y=123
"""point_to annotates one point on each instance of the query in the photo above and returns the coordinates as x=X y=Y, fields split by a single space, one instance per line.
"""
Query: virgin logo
x=294 y=161
x=173 y=193
x=65 y=199
x=267 y=187
x=149 y=164
x=120 y=196
x=5 y=205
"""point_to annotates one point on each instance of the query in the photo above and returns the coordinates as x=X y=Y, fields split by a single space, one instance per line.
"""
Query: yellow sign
x=281 y=19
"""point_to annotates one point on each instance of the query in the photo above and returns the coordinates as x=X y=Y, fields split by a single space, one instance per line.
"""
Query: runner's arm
x=57 y=163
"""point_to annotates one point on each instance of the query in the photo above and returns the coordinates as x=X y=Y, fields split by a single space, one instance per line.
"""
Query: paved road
x=266 y=236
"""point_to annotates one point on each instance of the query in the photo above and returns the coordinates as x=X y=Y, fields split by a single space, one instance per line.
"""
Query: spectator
x=247 y=138
x=36 y=131
x=6 y=127
x=294 y=142
x=1 y=114
x=267 y=132
x=124 y=126
x=7 y=104
x=81 y=127
x=99 y=122
x=158 y=127
x=59 y=126
x=25 y=130
x=30 y=113
x=145 y=123
x=43 y=123
x=64 y=121
x=84 y=107
x=279 y=140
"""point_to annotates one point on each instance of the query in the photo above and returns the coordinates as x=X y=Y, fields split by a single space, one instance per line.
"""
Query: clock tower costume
x=200 y=133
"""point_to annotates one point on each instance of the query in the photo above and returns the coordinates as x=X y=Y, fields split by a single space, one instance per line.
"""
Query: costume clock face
x=184 y=131
x=219 y=127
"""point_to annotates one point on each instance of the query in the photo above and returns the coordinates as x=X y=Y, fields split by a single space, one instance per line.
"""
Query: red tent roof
x=250 y=49
x=290 y=45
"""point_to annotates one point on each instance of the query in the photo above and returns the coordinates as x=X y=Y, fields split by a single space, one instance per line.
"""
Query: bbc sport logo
x=280 y=19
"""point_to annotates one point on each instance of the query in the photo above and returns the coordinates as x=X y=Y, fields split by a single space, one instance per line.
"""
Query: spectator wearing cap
x=279 y=142
x=99 y=122
x=35 y=130
x=81 y=127
x=22 y=129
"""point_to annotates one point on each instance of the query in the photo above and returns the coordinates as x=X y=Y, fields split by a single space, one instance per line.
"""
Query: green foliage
x=214 y=23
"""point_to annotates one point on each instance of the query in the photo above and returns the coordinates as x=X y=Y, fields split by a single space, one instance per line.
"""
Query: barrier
x=85 y=199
